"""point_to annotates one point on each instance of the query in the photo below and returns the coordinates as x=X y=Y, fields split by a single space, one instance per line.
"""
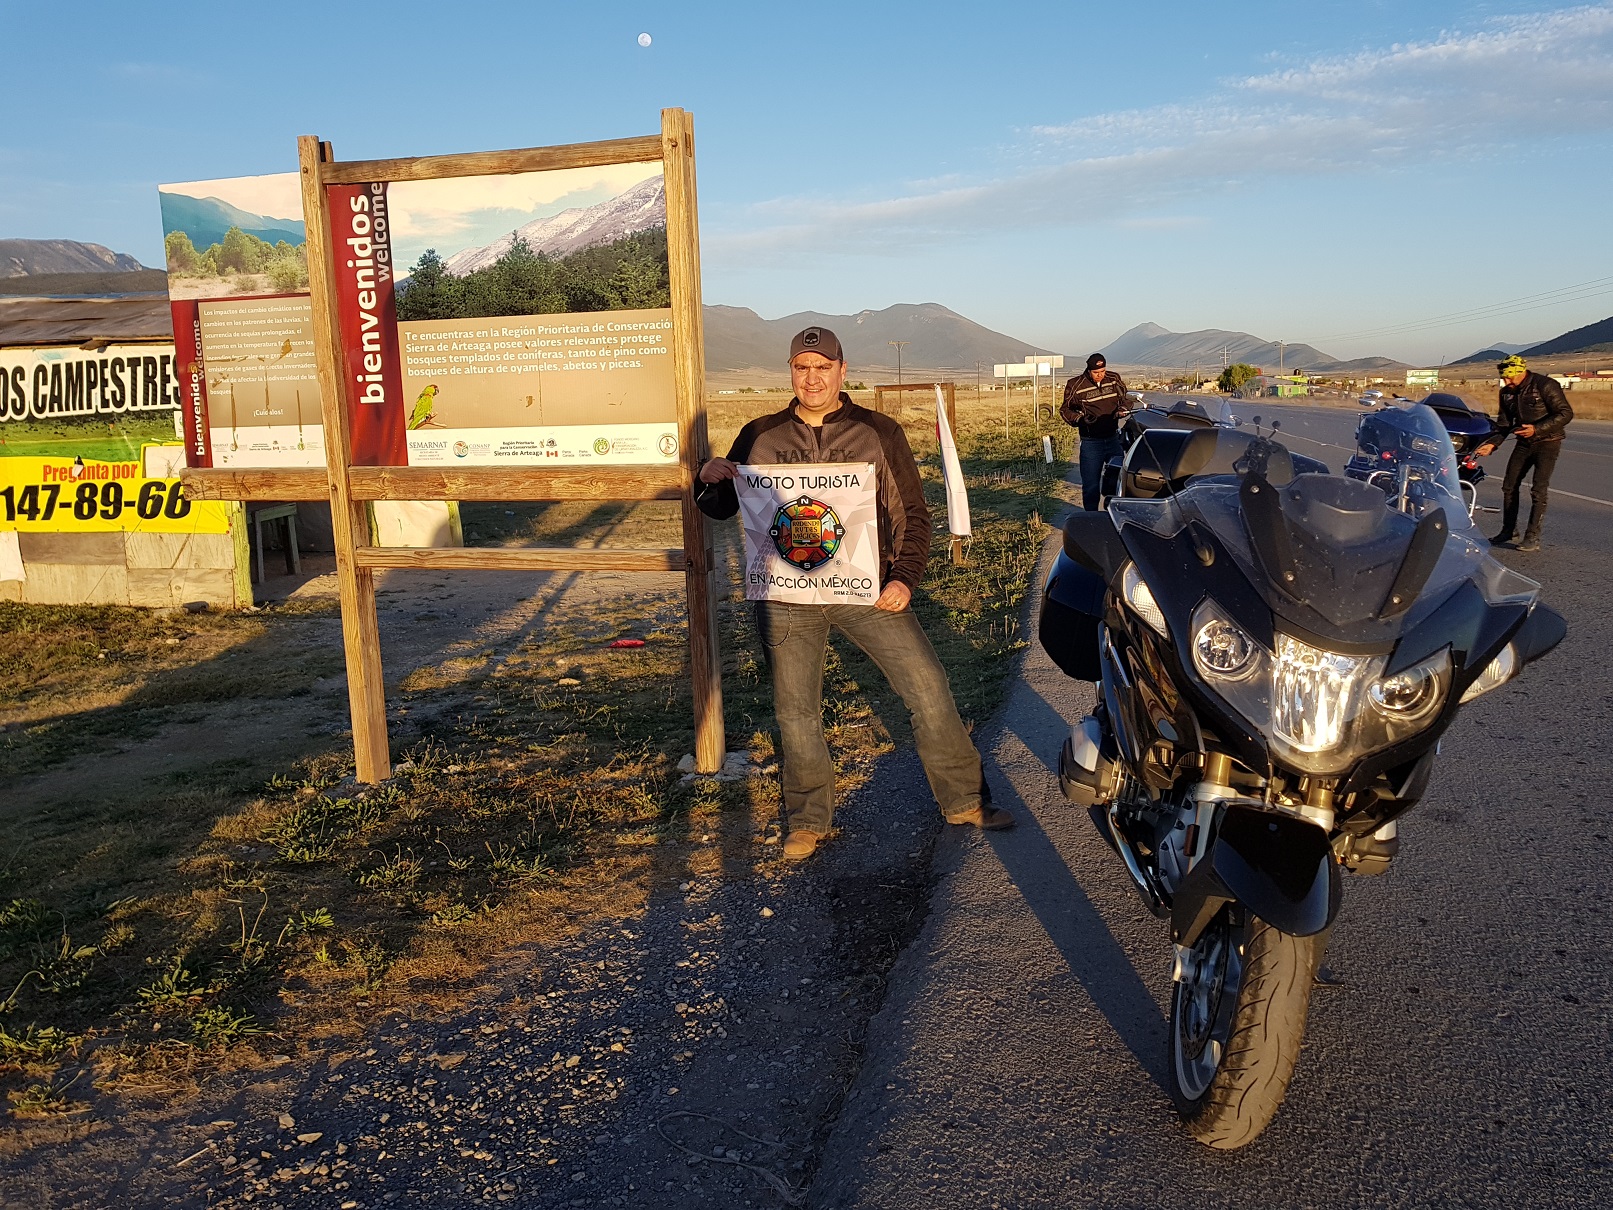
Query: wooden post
x=689 y=369
x=243 y=556
x=361 y=637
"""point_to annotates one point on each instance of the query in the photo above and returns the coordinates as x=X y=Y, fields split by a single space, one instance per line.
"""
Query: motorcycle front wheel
x=1237 y=1019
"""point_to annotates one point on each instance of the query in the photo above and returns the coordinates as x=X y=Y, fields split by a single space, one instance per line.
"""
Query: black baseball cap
x=816 y=340
x=1096 y=362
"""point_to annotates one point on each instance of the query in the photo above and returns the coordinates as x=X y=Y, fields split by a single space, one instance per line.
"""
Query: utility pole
x=899 y=345
x=1280 y=346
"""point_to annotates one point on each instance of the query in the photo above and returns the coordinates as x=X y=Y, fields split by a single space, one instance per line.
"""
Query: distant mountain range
x=1148 y=344
x=1596 y=337
x=206 y=219
x=32 y=257
x=639 y=209
x=1592 y=338
x=936 y=339
x=1497 y=350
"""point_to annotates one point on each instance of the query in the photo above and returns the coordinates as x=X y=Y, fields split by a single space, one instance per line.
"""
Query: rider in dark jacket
x=1534 y=408
x=1095 y=403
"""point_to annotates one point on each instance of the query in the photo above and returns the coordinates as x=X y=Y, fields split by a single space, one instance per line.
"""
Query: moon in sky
x=644 y=39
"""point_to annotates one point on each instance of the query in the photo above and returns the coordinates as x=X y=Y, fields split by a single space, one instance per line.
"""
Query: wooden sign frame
x=349 y=487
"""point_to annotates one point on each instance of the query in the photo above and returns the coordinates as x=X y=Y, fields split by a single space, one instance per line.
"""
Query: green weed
x=454 y=913
x=178 y=987
x=311 y=831
x=36 y=1044
x=215 y=1028
x=395 y=875
x=44 y=1101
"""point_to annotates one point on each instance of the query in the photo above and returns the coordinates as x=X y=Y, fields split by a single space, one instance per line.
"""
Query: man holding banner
x=837 y=535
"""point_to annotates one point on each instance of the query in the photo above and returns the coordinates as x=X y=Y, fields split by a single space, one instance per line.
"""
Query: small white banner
x=952 y=472
x=811 y=533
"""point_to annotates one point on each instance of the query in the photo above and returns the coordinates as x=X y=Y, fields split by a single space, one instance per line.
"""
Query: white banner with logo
x=811 y=533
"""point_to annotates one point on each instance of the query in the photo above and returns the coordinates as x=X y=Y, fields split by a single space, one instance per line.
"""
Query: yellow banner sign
x=75 y=495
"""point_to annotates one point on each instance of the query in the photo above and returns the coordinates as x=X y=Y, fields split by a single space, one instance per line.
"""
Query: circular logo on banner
x=601 y=445
x=807 y=533
x=668 y=445
x=460 y=449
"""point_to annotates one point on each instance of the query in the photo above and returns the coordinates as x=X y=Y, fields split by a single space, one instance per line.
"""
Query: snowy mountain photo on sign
x=536 y=243
x=641 y=208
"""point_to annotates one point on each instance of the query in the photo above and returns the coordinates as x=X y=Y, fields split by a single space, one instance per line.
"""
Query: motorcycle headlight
x=1223 y=651
x=1321 y=710
x=1496 y=673
x=1135 y=589
x=1412 y=695
x=1315 y=694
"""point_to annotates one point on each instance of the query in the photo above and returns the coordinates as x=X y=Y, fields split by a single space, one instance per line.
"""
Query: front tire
x=1237 y=1020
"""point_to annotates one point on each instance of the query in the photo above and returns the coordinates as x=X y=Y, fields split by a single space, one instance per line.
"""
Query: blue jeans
x=795 y=639
x=1095 y=454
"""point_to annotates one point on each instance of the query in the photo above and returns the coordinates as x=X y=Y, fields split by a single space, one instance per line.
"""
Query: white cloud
x=1521 y=80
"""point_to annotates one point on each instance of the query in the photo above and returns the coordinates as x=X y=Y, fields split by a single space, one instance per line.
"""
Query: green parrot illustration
x=421 y=416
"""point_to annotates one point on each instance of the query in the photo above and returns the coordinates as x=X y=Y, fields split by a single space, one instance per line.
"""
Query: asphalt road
x=1463 y=1061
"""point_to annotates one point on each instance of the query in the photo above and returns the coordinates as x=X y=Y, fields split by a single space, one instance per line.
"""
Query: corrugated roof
x=77 y=321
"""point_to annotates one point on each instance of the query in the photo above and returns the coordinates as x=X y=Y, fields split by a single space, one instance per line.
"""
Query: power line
x=1492 y=315
x=1598 y=285
x=1594 y=288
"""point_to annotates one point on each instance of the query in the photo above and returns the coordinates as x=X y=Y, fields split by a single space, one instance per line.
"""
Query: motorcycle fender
x=1279 y=867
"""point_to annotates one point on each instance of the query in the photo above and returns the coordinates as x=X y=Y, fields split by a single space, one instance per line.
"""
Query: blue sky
x=1345 y=175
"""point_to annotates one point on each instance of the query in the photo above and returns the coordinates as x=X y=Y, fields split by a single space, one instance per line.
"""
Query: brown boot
x=986 y=817
x=800 y=845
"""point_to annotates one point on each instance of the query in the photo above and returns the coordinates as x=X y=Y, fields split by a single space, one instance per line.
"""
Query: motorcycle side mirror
x=1257 y=422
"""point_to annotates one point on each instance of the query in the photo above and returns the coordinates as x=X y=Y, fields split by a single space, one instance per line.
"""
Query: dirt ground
x=706 y=998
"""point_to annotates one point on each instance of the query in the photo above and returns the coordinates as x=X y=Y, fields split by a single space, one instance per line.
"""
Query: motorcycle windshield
x=1333 y=557
x=1406 y=452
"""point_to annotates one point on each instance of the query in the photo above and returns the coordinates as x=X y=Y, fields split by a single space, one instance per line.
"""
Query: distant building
x=1288 y=386
x=1422 y=378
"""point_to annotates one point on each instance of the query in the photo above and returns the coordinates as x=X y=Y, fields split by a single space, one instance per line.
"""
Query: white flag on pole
x=951 y=472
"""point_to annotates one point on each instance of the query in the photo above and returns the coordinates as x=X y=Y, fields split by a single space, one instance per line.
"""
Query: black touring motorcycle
x=1277 y=655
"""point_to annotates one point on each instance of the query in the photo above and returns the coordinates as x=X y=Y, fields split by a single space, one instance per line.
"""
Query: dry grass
x=1591 y=405
x=156 y=927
